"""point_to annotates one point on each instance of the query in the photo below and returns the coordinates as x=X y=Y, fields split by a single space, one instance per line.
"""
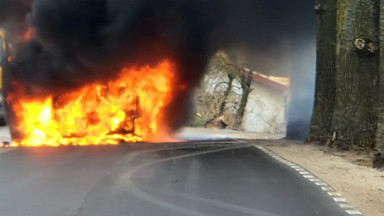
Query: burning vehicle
x=125 y=109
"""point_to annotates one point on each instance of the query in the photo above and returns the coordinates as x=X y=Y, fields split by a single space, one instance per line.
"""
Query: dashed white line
x=338 y=198
x=353 y=212
x=295 y=167
x=345 y=206
x=304 y=173
x=326 y=188
x=314 y=180
x=334 y=194
x=320 y=184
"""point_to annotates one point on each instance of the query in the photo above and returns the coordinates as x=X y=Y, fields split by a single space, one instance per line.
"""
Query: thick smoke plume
x=75 y=42
x=12 y=15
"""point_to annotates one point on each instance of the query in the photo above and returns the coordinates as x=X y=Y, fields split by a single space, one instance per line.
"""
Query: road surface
x=197 y=178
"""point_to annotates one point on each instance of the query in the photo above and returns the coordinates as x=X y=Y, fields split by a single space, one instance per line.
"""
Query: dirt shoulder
x=347 y=172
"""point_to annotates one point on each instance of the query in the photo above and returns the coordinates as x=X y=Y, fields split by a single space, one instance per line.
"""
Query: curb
x=338 y=198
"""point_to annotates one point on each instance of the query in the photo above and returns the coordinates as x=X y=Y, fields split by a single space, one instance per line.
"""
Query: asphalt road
x=206 y=178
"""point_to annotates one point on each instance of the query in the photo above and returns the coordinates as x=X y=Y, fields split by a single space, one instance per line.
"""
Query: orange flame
x=127 y=109
x=27 y=35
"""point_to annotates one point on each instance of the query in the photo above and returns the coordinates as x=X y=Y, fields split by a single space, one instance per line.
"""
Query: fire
x=3 y=43
x=27 y=35
x=127 y=109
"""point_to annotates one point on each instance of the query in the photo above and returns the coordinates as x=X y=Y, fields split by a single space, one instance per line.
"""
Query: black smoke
x=13 y=15
x=75 y=42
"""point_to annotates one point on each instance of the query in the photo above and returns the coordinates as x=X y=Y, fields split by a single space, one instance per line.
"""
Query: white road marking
x=334 y=194
x=326 y=188
x=314 y=180
x=353 y=212
x=304 y=173
x=320 y=184
x=345 y=206
x=339 y=199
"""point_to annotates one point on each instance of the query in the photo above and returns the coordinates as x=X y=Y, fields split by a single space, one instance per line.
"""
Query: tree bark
x=325 y=83
x=226 y=94
x=246 y=80
x=379 y=159
x=357 y=60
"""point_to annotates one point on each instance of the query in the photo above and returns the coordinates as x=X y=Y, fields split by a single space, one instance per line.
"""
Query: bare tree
x=221 y=62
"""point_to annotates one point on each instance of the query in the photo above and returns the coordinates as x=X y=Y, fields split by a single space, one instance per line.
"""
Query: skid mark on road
x=129 y=158
x=217 y=203
x=134 y=190
x=338 y=198
x=125 y=178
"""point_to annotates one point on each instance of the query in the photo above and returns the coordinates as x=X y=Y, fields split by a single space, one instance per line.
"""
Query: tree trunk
x=231 y=78
x=357 y=60
x=379 y=159
x=325 y=83
x=246 y=80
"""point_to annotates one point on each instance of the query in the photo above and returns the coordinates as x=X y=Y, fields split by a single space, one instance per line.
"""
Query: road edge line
x=338 y=198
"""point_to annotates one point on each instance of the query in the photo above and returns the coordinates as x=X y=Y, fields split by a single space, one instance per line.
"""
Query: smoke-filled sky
x=12 y=15
x=78 y=41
